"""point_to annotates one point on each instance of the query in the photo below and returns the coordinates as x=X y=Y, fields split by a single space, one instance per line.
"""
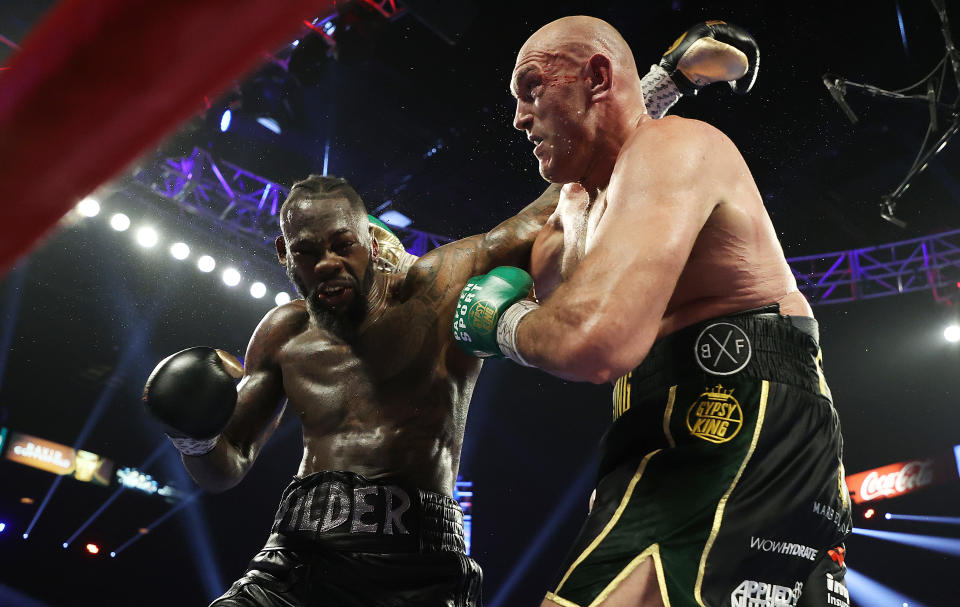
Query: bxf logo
x=722 y=349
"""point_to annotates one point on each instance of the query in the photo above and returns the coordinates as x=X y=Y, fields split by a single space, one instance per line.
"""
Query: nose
x=328 y=266
x=522 y=118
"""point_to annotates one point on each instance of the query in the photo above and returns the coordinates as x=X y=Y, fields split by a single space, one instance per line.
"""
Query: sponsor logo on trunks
x=837 y=555
x=781 y=547
x=837 y=517
x=722 y=349
x=483 y=316
x=715 y=416
x=621 y=395
x=761 y=594
x=837 y=592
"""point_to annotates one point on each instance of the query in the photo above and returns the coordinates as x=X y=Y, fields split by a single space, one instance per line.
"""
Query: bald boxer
x=366 y=361
x=720 y=480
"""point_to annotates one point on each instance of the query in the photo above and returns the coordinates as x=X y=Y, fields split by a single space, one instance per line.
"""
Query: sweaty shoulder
x=276 y=328
x=674 y=149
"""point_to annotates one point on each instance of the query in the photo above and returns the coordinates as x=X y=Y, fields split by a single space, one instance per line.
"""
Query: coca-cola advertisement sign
x=897 y=479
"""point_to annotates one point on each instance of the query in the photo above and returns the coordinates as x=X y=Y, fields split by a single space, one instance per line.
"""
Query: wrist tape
x=507 y=329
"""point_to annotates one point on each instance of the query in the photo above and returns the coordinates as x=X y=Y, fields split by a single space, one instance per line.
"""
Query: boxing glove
x=393 y=257
x=482 y=301
x=692 y=66
x=193 y=394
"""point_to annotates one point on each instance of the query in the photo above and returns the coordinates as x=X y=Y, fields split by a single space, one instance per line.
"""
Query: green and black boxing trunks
x=722 y=468
x=340 y=539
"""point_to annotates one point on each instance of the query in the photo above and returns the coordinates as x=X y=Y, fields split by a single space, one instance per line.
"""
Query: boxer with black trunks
x=367 y=362
x=721 y=479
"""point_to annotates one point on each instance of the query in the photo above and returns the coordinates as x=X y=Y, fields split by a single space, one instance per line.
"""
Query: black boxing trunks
x=723 y=469
x=341 y=540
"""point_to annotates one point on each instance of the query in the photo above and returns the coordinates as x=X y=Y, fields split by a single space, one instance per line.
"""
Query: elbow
x=601 y=359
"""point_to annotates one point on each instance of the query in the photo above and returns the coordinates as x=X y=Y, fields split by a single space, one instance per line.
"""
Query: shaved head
x=576 y=39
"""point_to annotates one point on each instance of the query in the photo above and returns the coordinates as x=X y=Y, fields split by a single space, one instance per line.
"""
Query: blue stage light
x=944 y=545
x=269 y=123
x=395 y=219
x=2 y=527
x=946 y=520
x=225 y=120
x=868 y=592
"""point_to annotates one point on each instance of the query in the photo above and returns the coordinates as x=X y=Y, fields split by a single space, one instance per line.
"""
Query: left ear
x=599 y=76
x=374 y=246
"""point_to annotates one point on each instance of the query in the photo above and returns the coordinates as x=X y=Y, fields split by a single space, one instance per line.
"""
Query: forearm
x=220 y=469
x=509 y=243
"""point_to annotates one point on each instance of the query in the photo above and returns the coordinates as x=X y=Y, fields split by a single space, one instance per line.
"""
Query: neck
x=610 y=141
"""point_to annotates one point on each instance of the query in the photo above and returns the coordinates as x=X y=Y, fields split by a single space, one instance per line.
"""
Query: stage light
x=206 y=264
x=923 y=518
x=329 y=27
x=231 y=277
x=943 y=545
x=89 y=207
x=93 y=548
x=2 y=527
x=952 y=333
x=120 y=222
x=26 y=535
x=26 y=500
x=258 y=290
x=887 y=516
x=113 y=555
x=395 y=219
x=269 y=123
x=225 y=120
x=147 y=237
x=66 y=545
x=869 y=513
x=180 y=250
x=282 y=298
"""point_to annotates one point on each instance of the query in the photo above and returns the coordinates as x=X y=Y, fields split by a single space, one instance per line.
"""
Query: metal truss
x=921 y=264
x=240 y=201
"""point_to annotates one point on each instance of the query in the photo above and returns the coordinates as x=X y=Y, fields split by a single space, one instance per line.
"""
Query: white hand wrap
x=507 y=329
x=659 y=91
x=193 y=446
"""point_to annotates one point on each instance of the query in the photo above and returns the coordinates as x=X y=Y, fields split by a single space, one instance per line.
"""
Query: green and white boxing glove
x=482 y=304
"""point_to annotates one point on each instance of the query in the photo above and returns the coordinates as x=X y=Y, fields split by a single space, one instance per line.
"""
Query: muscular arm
x=445 y=270
x=601 y=323
x=258 y=410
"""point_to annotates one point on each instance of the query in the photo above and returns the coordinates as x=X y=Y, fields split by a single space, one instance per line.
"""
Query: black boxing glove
x=193 y=394
x=690 y=72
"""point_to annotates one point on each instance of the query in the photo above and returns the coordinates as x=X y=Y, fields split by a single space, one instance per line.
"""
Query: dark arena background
x=413 y=108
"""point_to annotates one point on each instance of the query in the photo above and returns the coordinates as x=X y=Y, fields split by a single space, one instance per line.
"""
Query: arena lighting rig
x=932 y=87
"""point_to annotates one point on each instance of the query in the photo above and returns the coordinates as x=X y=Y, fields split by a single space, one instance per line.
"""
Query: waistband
x=759 y=343
x=347 y=512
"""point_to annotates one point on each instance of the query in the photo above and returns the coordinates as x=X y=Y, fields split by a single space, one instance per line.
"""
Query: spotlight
x=2 y=527
x=282 y=298
x=269 y=123
x=120 y=222
x=147 y=237
x=206 y=264
x=66 y=545
x=952 y=333
x=258 y=290
x=869 y=513
x=887 y=516
x=26 y=535
x=231 y=277
x=89 y=207
x=225 y=120
x=93 y=548
x=180 y=250
x=26 y=500
x=395 y=219
x=113 y=555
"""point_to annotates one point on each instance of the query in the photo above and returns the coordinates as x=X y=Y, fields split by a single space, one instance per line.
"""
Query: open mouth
x=335 y=294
